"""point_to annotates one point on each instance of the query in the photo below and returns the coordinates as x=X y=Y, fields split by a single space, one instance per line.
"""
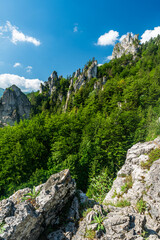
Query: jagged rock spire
x=129 y=44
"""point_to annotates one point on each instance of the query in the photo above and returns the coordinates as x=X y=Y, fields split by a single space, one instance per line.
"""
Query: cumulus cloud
x=17 y=65
x=29 y=69
x=109 y=38
x=148 y=34
x=26 y=85
x=14 y=35
x=109 y=58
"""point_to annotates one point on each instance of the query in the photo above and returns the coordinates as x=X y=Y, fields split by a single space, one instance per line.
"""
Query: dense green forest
x=92 y=137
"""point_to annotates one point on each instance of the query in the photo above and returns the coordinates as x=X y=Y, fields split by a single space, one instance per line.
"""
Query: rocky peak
x=80 y=78
x=89 y=71
x=54 y=76
x=130 y=44
x=77 y=73
x=51 y=85
x=92 y=70
x=14 y=105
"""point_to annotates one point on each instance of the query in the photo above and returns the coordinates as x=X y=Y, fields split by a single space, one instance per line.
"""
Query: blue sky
x=37 y=37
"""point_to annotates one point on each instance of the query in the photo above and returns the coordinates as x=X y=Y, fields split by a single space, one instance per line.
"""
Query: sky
x=38 y=37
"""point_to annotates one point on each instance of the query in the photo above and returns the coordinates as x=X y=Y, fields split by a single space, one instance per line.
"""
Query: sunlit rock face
x=27 y=219
x=14 y=105
x=130 y=44
x=131 y=209
x=79 y=78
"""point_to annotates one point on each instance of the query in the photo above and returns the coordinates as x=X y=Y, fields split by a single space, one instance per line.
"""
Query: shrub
x=90 y=234
x=120 y=203
x=99 y=187
x=153 y=156
x=141 y=206
x=99 y=219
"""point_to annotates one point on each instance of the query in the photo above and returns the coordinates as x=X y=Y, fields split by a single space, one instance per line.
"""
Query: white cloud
x=148 y=34
x=17 y=65
x=100 y=64
x=26 y=85
x=29 y=69
x=15 y=36
x=109 y=38
x=122 y=37
x=109 y=58
x=75 y=29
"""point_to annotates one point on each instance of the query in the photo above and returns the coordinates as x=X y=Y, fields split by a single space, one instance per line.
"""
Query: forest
x=92 y=137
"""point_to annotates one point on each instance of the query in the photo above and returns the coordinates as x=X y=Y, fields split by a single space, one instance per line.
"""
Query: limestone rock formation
x=51 y=84
x=130 y=44
x=26 y=220
x=80 y=78
x=14 y=105
x=87 y=73
x=131 y=209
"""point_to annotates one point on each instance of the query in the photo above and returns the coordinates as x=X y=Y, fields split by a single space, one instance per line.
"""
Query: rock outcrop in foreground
x=14 y=105
x=131 y=209
x=130 y=44
x=27 y=219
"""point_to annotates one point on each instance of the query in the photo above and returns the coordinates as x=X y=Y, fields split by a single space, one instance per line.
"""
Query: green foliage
x=90 y=234
x=128 y=184
x=92 y=137
x=99 y=186
x=141 y=206
x=2 y=229
x=114 y=194
x=84 y=214
x=99 y=219
x=32 y=195
x=145 y=235
x=153 y=156
x=121 y=203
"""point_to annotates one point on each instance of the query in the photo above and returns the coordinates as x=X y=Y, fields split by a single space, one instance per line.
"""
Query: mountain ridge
x=104 y=117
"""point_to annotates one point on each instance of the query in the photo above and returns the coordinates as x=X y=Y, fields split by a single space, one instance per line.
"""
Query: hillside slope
x=113 y=107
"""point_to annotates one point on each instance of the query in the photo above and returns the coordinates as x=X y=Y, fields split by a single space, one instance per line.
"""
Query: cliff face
x=51 y=84
x=53 y=89
x=130 y=211
x=14 y=105
x=79 y=78
x=130 y=44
